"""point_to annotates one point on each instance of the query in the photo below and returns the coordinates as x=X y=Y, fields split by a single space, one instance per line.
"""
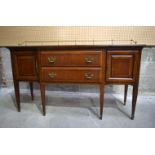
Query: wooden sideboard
x=99 y=65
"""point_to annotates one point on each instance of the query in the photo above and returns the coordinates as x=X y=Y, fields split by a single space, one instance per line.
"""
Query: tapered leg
x=134 y=99
x=42 y=89
x=31 y=90
x=17 y=94
x=101 y=100
x=125 y=93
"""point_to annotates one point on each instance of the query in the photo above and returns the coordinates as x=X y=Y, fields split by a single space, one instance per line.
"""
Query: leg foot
x=42 y=90
x=125 y=93
x=132 y=117
x=31 y=90
x=101 y=100
x=100 y=117
x=134 y=100
x=17 y=94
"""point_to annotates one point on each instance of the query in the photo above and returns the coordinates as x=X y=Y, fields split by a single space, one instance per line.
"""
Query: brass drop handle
x=89 y=75
x=89 y=59
x=51 y=59
x=52 y=75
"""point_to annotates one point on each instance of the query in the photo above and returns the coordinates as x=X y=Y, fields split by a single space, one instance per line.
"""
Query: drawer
x=71 y=74
x=70 y=58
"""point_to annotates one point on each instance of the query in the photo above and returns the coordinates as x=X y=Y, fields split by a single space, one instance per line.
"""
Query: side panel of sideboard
x=123 y=67
x=24 y=68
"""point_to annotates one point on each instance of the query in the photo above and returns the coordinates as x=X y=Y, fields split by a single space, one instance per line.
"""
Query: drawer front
x=70 y=58
x=72 y=74
x=122 y=66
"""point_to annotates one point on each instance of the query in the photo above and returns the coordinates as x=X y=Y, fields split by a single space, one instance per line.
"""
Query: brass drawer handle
x=51 y=59
x=89 y=75
x=89 y=59
x=52 y=75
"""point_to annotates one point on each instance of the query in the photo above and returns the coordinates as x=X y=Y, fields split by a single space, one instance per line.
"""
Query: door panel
x=122 y=66
x=24 y=65
x=125 y=63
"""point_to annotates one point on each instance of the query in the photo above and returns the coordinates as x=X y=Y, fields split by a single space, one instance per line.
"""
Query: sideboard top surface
x=77 y=47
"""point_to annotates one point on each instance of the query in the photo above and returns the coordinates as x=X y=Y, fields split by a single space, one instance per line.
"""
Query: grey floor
x=70 y=109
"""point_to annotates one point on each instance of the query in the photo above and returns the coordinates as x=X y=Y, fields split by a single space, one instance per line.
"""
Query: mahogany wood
x=17 y=94
x=99 y=65
x=121 y=66
x=134 y=100
x=31 y=90
x=71 y=58
x=42 y=90
x=101 y=99
x=24 y=65
x=71 y=74
x=125 y=93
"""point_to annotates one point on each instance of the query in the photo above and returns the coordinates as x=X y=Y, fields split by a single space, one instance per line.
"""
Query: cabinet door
x=24 y=65
x=122 y=66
